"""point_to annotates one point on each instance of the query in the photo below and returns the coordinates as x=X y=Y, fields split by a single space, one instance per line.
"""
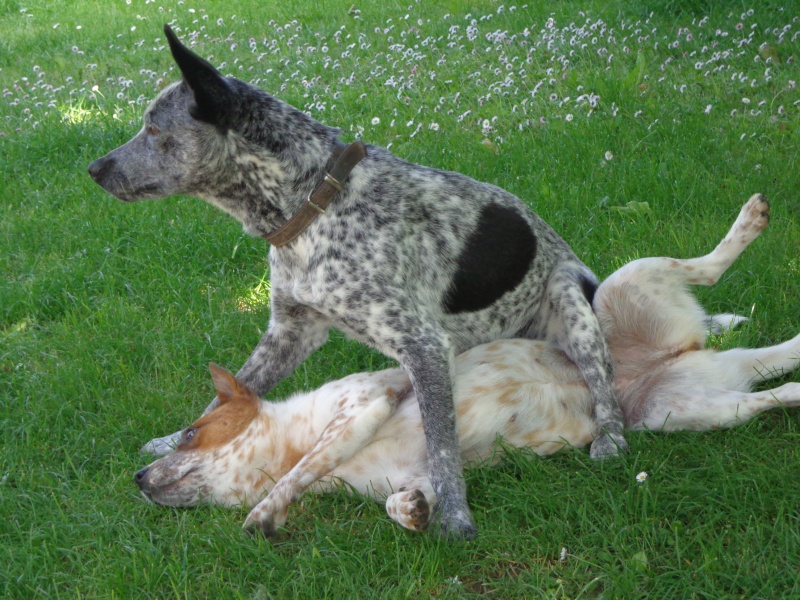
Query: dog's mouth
x=173 y=492
x=172 y=495
x=121 y=187
x=148 y=191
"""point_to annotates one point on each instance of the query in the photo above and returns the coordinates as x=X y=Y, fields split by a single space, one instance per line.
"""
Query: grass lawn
x=633 y=131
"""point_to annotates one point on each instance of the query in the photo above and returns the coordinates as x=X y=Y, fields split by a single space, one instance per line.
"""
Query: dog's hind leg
x=752 y=220
x=659 y=273
x=647 y=299
x=706 y=408
x=573 y=327
x=754 y=365
x=350 y=430
x=294 y=332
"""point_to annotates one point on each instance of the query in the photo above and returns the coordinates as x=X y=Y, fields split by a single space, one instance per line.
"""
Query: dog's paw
x=162 y=446
x=608 y=445
x=753 y=218
x=265 y=527
x=265 y=519
x=454 y=526
x=410 y=509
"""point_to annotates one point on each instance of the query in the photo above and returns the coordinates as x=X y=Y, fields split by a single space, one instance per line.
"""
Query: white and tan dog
x=366 y=429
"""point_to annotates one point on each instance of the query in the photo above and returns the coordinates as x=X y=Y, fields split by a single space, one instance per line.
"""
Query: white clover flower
x=569 y=117
x=609 y=155
x=745 y=100
x=375 y=121
x=434 y=126
x=708 y=109
x=641 y=477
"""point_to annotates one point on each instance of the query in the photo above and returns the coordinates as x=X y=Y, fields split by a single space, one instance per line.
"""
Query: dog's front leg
x=294 y=332
x=573 y=326
x=350 y=430
x=428 y=361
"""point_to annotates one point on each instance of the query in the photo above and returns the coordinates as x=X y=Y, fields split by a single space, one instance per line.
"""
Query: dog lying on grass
x=366 y=429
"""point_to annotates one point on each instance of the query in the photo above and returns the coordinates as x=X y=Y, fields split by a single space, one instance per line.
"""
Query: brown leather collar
x=344 y=159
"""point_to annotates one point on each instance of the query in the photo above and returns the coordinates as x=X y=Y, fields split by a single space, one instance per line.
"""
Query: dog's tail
x=719 y=324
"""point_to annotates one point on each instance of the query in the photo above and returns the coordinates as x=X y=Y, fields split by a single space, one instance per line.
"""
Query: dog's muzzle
x=141 y=479
x=99 y=169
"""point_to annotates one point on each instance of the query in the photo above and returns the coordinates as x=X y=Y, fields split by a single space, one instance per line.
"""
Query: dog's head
x=181 y=125
x=218 y=460
x=197 y=129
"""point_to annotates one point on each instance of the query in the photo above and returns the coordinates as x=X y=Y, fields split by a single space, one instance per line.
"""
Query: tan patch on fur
x=509 y=396
x=292 y=456
x=463 y=407
x=480 y=390
x=225 y=422
x=261 y=481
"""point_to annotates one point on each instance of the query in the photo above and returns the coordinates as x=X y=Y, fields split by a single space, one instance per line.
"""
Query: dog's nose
x=98 y=168
x=139 y=477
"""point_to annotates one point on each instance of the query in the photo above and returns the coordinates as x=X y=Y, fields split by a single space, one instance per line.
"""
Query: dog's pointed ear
x=228 y=387
x=212 y=93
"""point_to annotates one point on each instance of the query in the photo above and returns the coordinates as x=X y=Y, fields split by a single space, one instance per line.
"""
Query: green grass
x=109 y=312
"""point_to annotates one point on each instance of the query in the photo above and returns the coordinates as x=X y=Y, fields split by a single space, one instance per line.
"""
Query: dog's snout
x=139 y=478
x=99 y=167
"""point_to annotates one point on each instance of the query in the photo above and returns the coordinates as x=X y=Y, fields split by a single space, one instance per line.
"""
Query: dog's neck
x=280 y=435
x=278 y=163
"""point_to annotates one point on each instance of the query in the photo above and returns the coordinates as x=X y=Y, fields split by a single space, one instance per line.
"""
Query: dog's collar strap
x=344 y=160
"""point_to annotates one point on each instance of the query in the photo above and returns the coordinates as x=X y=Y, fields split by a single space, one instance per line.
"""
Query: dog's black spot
x=496 y=258
x=589 y=287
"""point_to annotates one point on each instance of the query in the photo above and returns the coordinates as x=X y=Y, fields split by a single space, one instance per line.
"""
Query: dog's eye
x=189 y=434
x=152 y=130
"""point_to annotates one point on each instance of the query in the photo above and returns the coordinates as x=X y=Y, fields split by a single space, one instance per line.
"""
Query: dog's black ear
x=212 y=93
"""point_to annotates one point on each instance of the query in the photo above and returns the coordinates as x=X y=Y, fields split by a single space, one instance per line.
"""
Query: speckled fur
x=366 y=429
x=385 y=264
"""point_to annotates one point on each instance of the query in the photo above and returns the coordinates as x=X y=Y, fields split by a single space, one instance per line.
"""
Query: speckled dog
x=419 y=263
x=366 y=429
